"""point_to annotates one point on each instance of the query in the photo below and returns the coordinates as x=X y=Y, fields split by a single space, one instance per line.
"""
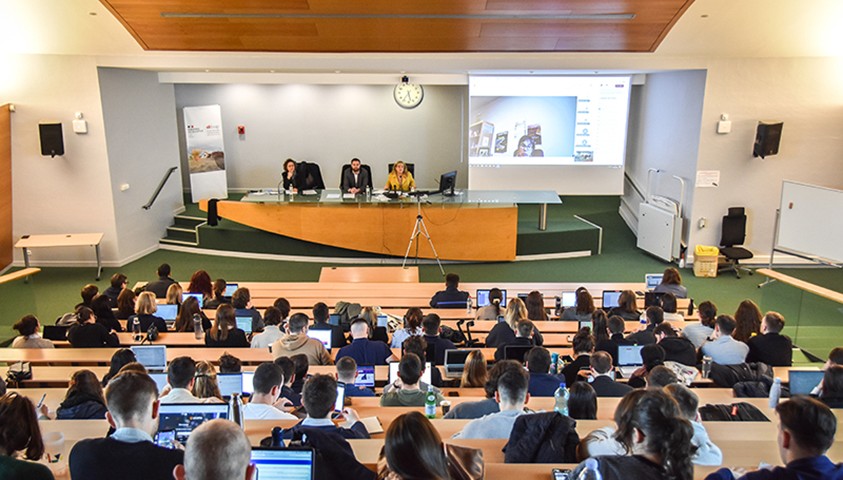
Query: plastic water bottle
x=590 y=471
x=554 y=359
x=235 y=407
x=775 y=392
x=430 y=403
x=561 y=397
x=368 y=193
x=468 y=305
x=197 y=327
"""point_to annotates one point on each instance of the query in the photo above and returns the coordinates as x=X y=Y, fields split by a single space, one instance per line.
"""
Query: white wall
x=142 y=139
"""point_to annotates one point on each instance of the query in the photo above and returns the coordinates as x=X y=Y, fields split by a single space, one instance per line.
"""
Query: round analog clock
x=408 y=95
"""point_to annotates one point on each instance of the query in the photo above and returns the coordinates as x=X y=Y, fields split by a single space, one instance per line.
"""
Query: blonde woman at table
x=205 y=383
x=20 y=437
x=174 y=293
x=400 y=179
x=504 y=332
x=29 y=328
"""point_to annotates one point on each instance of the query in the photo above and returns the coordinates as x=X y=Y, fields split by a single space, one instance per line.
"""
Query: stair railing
x=160 y=186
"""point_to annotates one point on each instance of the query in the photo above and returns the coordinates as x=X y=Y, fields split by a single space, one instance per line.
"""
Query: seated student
x=627 y=307
x=101 y=305
x=218 y=449
x=660 y=377
x=412 y=327
x=267 y=382
x=125 y=304
x=318 y=397
x=583 y=309
x=672 y=283
x=218 y=295
x=205 y=384
x=347 y=374
x=493 y=310
x=20 y=440
x=119 y=359
x=363 y=350
x=582 y=402
x=410 y=369
x=320 y=322
x=431 y=325
x=697 y=333
x=129 y=452
x=418 y=346
x=583 y=347
x=523 y=337
x=224 y=332
x=271 y=331
x=413 y=450
x=83 y=401
x=301 y=367
x=241 y=300
x=669 y=307
x=835 y=357
x=88 y=333
x=651 y=356
x=722 y=348
x=602 y=372
x=230 y=364
x=610 y=346
x=806 y=432
x=29 y=327
x=184 y=319
x=832 y=391
x=475 y=372
x=451 y=297
x=181 y=374
x=512 y=396
x=771 y=347
x=118 y=283
x=283 y=305
x=676 y=348
x=174 y=295
x=652 y=441
x=145 y=306
x=296 y=342
x=504 y=332
x=289 y=397
x=159 y=287
x=707 y=452
x=655 y=316
x=542 y=382
x=477 y=409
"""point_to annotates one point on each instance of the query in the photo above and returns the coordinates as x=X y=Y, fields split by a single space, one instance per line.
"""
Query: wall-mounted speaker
x=767 y=138
x=52 y=140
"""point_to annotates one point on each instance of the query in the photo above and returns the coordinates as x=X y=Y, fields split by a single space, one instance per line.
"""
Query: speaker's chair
x=732 y=235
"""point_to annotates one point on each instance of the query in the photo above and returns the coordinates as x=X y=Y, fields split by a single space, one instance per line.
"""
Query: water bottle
x=368 y=193
x=468 y=305
x=235 y=408
x=277 y=437
x=430 y=403
x=197 y=327
x=561 y=397
x=554 y=359
x=590 y=470
x=136 y=330
x=775 y=392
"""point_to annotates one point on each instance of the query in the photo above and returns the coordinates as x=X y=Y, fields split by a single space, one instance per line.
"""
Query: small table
x=61 y=240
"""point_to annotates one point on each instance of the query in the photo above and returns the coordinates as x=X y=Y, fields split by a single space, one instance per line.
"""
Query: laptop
x=365 y=376
x=383 y=321
x=455 y=362
x=568 y=299
x=198 y=297
x=178 y=420
x=284 y=463
x=483 y=298
x=653 y=280
x=610 y=298
x=393 y=372
x=334 y=319
x=248 y=386
x=160 y=380
x=323 y=336
x=230 y=383
x=586 y=323
x=802 y=382
x=55 y=332
x=168 y=312
x=653 y=299
x=629 y=359
x=244 y=323
x=229 y=289
x=516 y=352
x=153 y=357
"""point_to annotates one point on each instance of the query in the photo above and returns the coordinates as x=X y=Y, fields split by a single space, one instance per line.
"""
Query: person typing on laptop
x=347 y=373
x=319 y=398
x=267 y=382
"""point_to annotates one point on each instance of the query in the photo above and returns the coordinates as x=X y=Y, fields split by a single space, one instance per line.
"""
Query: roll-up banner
x=205 y=152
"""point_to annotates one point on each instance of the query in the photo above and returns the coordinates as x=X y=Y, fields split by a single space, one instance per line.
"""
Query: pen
x=41 y=402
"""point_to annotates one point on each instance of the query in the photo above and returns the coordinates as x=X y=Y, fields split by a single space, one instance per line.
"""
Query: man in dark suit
x=355 y=179
x=159 y=287
x=603 y=384
x=771 y=347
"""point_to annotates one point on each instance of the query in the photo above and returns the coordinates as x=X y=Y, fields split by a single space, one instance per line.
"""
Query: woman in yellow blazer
x=400 y=179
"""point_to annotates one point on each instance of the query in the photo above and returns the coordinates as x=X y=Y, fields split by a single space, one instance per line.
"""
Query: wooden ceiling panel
x=390 y=26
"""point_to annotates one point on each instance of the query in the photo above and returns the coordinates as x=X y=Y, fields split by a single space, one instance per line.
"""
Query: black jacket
x=81 y=407
x=773 y=349
x=606 y=387
x=610 y=346
x=100 y=458
x=159 y=287
x=680 y=350
x=548 y=437
x=571 y=370
x=502 y=334
x=644 y=337
x=91 y=335
x=449 y=298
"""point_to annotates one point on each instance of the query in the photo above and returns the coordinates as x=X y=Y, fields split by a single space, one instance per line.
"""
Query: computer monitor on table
x=447 y=183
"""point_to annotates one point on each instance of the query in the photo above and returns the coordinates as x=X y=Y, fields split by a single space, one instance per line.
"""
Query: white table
x=61 y=240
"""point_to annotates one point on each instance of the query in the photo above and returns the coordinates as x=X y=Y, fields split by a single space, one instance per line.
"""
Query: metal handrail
x=160 y=186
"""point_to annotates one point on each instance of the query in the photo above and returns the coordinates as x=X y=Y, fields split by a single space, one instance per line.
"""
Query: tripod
x=420 y=229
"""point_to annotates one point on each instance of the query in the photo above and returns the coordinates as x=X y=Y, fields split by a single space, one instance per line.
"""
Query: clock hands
x=408 y=96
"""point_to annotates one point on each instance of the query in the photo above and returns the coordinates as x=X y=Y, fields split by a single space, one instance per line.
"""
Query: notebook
x=483 y=298
x=365 y=376
x=802 y=382
x=284 y=463
x=393 y=372
x=323 y=336
x=455 y=362
x=153 y=357
x=629 y=359
x=653 y=280
x=610 y=298
x=180 y=419
x=244 y=323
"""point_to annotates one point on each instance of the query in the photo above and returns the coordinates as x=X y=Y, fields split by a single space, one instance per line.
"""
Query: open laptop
x=230 y=383
x=153 y=357
x=483 y=297
x=611 y=298
x=168 y=312
x=365 y=376
x=516 y=352
x=55 y=332
x=323 y=336
x=393 y=372
x=160 y=380
x=653 y=299
x=383 y=321
x=178 y=420
x=567 y=299
x=334 y=319
x=802 y=382
x=248 y=386
x=198 y=297
x=629 y=359
x=244 y=323
x=284 y=463
x=455 y=362
x=653 y=280
x=229 y=289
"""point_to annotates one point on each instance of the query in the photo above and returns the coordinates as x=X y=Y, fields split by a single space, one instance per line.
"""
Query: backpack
x=347 y=311
x=736 y=412
x=448 y=333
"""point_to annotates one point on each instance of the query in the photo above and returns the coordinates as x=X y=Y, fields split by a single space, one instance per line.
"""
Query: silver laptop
x=629 y=359
x=230 y=383
x=653 y=280
x=611 y=299
x=160 y=380
x=248 y=386
x=167 y=311
x=455 y=362
x=244 y=323
x=153 y=357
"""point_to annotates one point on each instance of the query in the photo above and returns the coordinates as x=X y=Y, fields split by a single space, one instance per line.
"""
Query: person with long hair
x=535 y=306
x=413 y=450
x=218 y=294
x=582 y=402
x=475 y=373
x=224 y=332
x=627 y=306
x=412 y=327
x=672 y=282
x=119 y=359
x=581 y=312
x=174 y=293
x=205 y=384
x=400 y=179
x=832 y=391
x=101 y=305
x=291 y=177
x=19 y=432
x=145 y=307
x=184 y=320
x=29 y=327
x=87 y=333
x=84 y=399
x=655 y=437
x=125 y=304
x=748 y=319
x=200 y=282
x=504 y=332
x=600 y=326
x=493 y=310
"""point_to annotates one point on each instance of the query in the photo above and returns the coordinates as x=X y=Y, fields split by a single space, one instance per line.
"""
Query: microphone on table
x=278 y=188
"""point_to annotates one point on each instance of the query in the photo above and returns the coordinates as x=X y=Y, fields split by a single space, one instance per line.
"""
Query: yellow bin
x=705 y=260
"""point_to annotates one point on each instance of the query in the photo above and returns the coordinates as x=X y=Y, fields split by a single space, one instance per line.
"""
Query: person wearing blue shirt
x=542 y=382
x=347 y=374
x=451 y=297
x=363 y=350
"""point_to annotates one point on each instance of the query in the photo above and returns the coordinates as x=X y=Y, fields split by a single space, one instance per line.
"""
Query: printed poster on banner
x=205 y=152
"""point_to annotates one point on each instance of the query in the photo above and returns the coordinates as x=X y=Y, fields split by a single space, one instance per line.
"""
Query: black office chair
x=362 y=167
x=734 y=233
x=411 y=167
x=311 y=175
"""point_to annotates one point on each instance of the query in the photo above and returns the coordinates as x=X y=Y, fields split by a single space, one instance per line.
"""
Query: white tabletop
x=60 y=240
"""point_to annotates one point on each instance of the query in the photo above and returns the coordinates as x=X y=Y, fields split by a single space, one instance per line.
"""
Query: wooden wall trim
x=6 y=244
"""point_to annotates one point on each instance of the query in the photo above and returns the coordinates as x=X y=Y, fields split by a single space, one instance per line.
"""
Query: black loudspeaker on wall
x=52 y=141
x=767 y=138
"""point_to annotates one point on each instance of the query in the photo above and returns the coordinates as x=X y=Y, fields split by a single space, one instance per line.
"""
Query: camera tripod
x=420 y=229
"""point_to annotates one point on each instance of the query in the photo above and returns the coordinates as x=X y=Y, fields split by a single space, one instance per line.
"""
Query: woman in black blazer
x=145 y=306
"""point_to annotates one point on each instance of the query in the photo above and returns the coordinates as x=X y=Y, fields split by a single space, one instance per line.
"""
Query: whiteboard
x=811 y=221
